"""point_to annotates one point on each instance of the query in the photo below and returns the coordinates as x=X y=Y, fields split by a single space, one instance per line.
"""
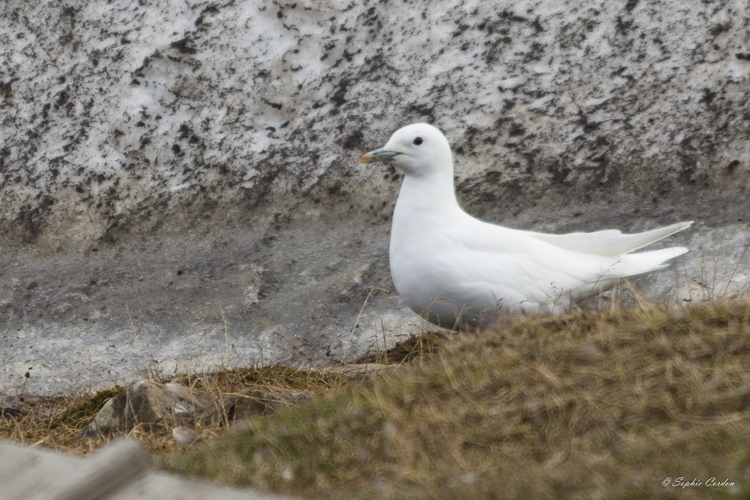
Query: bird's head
x=418 y=150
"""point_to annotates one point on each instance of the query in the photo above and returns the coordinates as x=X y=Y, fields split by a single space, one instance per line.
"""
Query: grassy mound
x=610 y=404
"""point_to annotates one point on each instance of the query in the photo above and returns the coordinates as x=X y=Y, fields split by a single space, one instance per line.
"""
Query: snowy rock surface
x=179 y=179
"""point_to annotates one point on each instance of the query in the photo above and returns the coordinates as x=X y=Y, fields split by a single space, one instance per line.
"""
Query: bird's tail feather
x=637 y=264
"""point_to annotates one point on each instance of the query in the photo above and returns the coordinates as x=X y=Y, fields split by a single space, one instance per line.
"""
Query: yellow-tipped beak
x=377 y=155
x=366 y=158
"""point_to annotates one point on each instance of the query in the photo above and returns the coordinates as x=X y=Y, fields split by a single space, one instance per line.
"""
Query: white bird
x=455 y=269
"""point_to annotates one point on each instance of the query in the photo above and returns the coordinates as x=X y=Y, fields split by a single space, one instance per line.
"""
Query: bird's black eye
x=418 y=141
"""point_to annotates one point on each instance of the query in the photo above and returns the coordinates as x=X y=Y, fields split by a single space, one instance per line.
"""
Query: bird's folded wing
x=610 y=242
x=535 y=277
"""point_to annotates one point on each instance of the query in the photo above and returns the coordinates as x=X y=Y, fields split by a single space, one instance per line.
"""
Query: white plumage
x=453 y=268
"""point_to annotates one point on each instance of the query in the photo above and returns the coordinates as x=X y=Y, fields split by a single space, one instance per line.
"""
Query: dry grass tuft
x=587 y=405
x=54 y=422
x=413 y=350
x=58 y=423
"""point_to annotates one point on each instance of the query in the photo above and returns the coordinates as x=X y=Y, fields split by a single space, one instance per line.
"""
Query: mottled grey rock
x=180 y=186
x=152 y=405
x=149 y=405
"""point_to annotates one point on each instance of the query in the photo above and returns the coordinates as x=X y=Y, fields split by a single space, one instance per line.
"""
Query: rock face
x=179 y=181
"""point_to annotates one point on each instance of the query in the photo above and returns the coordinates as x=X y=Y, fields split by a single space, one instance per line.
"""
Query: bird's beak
x=377 y=155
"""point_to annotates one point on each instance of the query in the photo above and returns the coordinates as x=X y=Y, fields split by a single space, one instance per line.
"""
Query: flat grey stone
x=119 y=471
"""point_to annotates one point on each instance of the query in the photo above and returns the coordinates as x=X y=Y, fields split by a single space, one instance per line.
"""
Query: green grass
x=587 y=405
